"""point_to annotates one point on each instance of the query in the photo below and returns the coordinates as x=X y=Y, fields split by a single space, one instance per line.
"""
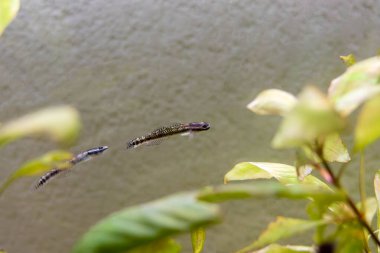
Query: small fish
x=88 y=154
x=83 y=156
x=157 y=135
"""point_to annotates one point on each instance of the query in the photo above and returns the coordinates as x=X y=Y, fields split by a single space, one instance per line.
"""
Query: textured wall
x=131 y=66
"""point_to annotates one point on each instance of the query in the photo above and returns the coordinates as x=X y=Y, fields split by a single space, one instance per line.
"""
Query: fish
x=82 y=156
x=156 y=136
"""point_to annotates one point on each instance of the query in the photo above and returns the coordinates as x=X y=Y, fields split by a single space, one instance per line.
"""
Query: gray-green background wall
x=132 y=66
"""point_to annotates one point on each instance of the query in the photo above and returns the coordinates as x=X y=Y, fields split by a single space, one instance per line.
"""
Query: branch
x=350 y=202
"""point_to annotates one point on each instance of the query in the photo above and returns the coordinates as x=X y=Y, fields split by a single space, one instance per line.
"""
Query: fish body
x=157 y=135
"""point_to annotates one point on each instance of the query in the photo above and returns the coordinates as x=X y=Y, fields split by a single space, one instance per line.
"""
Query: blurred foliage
x=275 y=248
x=223 y=193
x=8 y=11
x=313 y=126
x=367 y=129
x=280 y=229
x=59 y=123
x=141 y=225
x=311 y=118
x=198 y=237
x=349 y=59
x=166 y=245
x=54 y=159
x=272 y=102
x=358 y=84
x=254 y=170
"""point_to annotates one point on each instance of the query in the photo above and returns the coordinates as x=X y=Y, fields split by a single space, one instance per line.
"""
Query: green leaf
x=272 y=101
x=316 y=210
x=280 y=229
x=166 y=245
x=139 y=225
x=334 y=149
x=367 y=128
x=359 y=83
x=349 y=59
x=339 y=212
x=53 y=159
x=275 y=248
x=8 y=11
x=198 y=237
x=267 y=189
x=312 y=118
x=349 y=238
x=286 y=174
x=61 y=124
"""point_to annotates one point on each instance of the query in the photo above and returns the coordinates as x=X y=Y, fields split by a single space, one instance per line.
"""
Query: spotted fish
x=156 y=136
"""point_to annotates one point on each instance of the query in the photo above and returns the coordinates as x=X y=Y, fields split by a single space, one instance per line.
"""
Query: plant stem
x=362 y=182
x=350 y=202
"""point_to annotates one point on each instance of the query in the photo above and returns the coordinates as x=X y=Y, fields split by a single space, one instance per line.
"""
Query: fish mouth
x=104 y=148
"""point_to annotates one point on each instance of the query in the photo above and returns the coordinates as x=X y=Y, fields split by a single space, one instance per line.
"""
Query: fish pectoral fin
x=189 y=133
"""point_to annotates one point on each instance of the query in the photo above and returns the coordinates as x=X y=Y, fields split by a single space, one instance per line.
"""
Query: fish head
x=97 y=151
x=199 y=126
x=102 y=148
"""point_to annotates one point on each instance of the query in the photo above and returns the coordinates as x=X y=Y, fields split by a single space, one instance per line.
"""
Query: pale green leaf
x=334 y=149
x=51 y=160
x=8 y=11
x=139 y=225
x=61 y=124
x=198 y=237
x=367 y=128
x=286 y=174
x=272 y=101
x=313 y=117
x=359 y=83
x=280 y=229
x=267 y=189
x=275 y=248
x=349 y=59
x=166 y=245
x=370 y=208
